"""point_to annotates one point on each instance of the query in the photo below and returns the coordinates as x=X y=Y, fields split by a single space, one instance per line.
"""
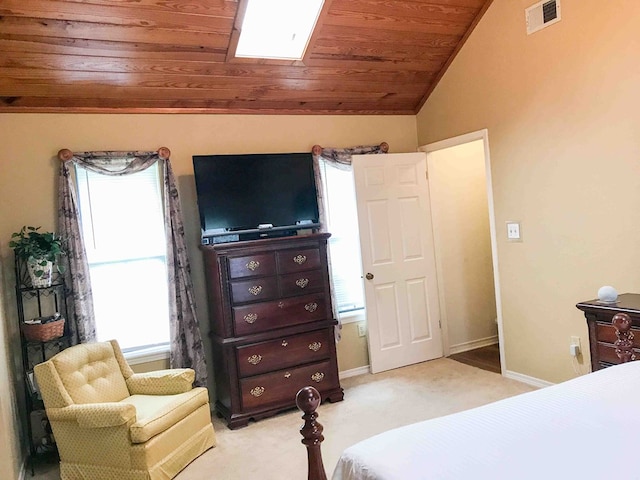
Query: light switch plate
x=514 y=232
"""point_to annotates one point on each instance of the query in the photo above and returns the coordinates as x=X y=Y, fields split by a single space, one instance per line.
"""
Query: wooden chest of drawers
x=602 y=334
x=271 y=324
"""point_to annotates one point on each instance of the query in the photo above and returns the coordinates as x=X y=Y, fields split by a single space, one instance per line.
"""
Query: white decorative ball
x=607 y=294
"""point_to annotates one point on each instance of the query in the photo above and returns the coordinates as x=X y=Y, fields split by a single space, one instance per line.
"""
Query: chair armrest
x=95 y=415
x=161 y=382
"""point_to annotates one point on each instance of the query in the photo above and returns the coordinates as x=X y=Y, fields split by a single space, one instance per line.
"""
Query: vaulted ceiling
x=365 y=57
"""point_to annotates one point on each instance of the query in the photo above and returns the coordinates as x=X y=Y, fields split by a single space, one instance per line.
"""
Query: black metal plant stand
x=33 y=302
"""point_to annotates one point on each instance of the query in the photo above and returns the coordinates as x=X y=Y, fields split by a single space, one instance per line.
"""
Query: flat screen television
x=251 y=196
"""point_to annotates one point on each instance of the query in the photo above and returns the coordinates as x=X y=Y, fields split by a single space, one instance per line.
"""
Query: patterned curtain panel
x=186 y=342
x=339 y=158
x=81 y=321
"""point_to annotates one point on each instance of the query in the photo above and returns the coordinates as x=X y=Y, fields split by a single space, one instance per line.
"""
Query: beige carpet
x=271 y=450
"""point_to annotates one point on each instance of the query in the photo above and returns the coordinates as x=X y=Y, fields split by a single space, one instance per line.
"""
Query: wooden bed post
x=624 y=342
x=308 y=400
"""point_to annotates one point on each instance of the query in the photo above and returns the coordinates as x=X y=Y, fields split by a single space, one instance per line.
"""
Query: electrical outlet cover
x=513 y=231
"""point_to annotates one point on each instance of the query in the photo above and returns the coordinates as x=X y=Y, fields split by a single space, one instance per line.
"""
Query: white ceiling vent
x=541 y=15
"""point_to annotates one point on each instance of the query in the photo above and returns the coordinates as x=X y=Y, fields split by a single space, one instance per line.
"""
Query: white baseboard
x=536 y=382
x=473 y=344
x=354 y=372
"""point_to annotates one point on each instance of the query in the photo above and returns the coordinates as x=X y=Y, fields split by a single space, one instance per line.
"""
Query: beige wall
x=562 y=108
x=460 y=213
x=28 y=178
x=10 y=456
x=353 y=351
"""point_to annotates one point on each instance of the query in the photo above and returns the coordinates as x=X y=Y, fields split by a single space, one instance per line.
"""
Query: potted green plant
x=39 y=250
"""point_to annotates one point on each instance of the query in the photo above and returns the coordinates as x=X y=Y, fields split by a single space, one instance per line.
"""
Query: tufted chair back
x=90 y=373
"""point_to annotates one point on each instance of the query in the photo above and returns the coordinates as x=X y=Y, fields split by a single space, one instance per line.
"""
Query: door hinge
x=440 y=323
x=426 y=174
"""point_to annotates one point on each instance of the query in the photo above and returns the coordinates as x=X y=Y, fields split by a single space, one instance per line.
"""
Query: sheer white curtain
x=336 y=158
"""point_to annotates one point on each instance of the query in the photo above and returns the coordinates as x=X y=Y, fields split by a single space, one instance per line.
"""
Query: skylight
x=278 y=29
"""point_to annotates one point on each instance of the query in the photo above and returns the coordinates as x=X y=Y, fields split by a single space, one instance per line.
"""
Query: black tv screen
x=241 y=193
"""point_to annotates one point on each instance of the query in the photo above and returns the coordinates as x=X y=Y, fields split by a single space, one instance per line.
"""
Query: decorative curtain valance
x=339 y=158
x=186 y=340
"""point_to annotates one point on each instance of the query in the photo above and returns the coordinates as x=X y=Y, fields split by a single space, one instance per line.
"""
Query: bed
x=585 y=428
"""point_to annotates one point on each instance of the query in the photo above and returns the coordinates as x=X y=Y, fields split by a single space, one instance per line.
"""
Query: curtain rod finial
x=164 y=153
x=65 y=154
x=316 y=150
x=384 y=146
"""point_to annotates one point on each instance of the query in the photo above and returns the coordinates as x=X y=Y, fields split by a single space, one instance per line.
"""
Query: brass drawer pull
x=254 y=359
x=257 y=391
x=317 y=377
x=255 y=290
x=250 y=317
x=311 y=307
x=299 y=259
x=302 y=282
x=315 y=346
x=284 y=343
x=287 y=375
x=253 y=265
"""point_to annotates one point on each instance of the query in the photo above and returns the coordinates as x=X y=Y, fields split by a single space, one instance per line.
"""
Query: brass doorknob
x=369 y=276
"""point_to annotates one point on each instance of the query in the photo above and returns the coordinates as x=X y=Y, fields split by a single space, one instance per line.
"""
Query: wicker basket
x=43 y=332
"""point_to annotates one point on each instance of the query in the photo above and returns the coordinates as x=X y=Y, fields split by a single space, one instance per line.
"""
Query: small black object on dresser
x=272 y=327
x=602 y=334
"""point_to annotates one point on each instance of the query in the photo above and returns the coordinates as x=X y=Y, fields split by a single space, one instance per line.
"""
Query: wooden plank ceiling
x=365 y=57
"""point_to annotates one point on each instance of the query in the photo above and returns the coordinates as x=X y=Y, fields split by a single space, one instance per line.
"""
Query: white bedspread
x=586 y=428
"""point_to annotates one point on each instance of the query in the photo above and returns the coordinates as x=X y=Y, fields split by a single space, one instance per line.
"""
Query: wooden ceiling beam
x=92 y=105
x=354 y=35
x=24 y=44
x=106 y=32
x=84 y=80
x=114 y=15
x=47 y=64
x=28 y=89
x=425 y=11
x=215 y=8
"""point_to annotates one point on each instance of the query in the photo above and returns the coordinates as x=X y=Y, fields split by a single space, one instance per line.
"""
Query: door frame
x=453 y=142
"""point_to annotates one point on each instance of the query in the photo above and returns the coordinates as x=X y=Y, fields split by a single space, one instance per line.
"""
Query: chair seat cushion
x=156 y=413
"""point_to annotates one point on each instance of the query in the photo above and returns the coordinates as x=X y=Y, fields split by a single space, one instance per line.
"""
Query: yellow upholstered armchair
x=112 y=424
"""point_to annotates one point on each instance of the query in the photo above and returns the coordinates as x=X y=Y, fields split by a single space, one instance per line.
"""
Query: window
x=278 y=29
x=344 y=243
x=122 y=223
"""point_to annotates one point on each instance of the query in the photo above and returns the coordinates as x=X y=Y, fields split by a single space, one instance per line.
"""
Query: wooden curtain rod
x=65 y=154
x=317 y=149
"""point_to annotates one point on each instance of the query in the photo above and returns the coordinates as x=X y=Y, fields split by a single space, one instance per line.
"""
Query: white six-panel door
x=398 y=259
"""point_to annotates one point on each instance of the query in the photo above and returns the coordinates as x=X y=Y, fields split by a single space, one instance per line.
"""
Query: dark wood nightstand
x=602 y=334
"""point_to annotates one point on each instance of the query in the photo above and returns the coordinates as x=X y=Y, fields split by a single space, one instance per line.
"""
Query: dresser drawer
x=282 y=353
x=252 y=265
x=607 y=333
x=256 y=290
x=607 y=353
x=302 y=283
x=293 y=260
x=260 y=317
x=282 y=386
